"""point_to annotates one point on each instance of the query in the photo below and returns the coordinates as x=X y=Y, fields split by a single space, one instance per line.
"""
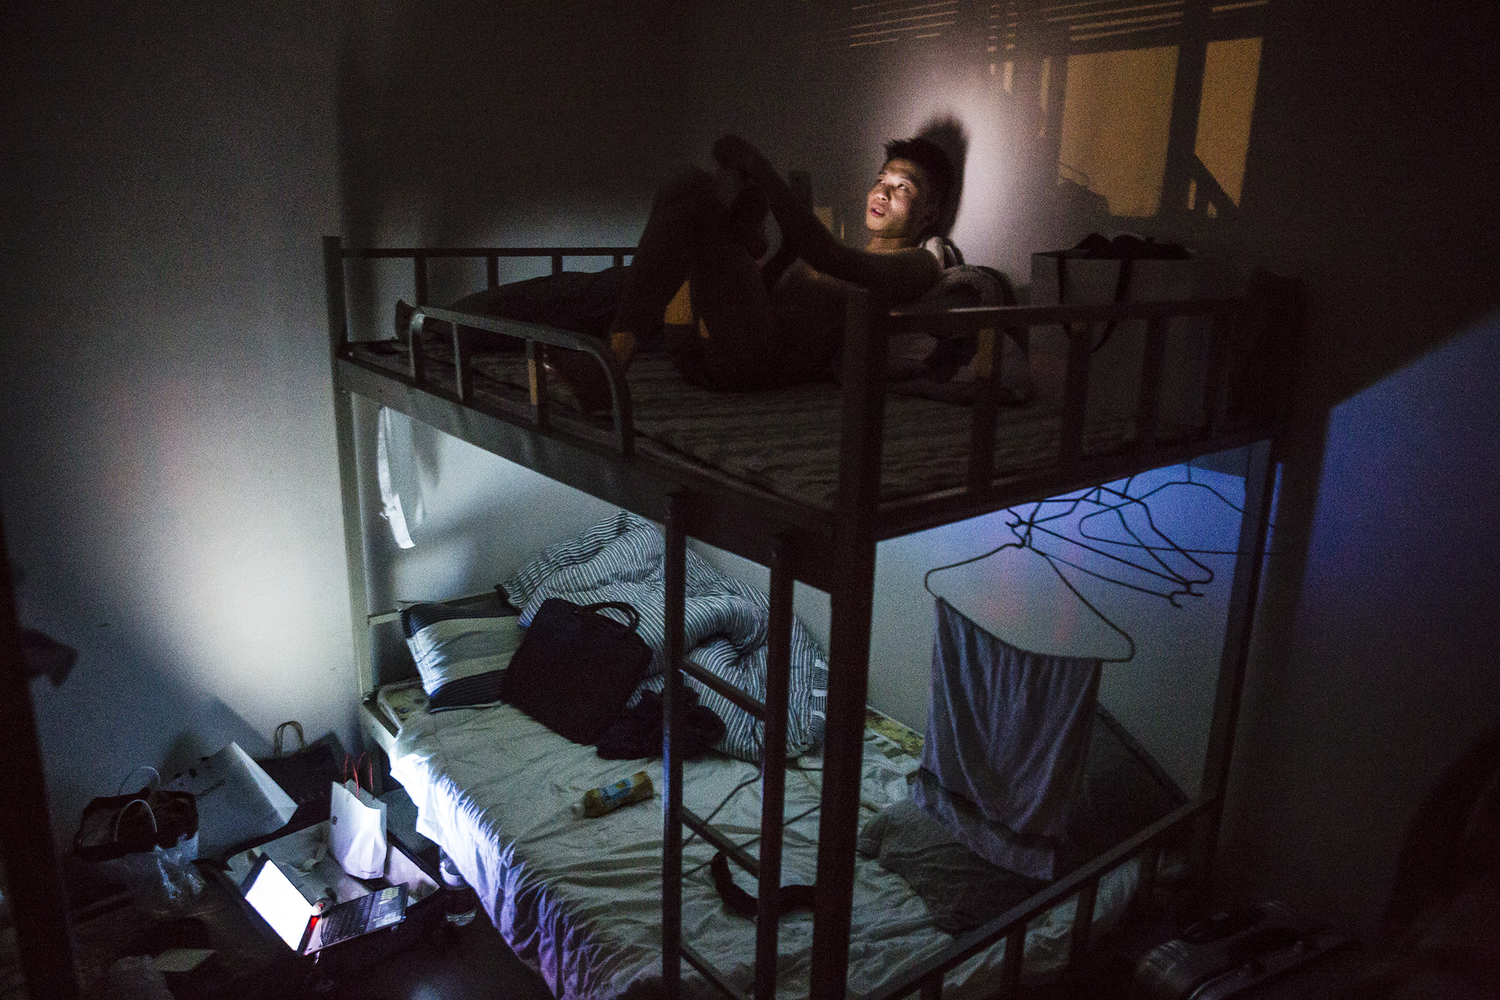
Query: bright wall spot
x=1116 y=113
x=1229 y=79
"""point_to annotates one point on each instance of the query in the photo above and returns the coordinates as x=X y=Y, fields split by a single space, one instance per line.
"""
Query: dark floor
x=476 y=963
x=457 y=963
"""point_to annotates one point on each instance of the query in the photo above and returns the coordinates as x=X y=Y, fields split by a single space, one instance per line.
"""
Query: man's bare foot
x=737 y=154
x=582 y=375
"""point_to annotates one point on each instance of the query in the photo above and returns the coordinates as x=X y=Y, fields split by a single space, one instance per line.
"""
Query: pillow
x=947 y=368
x=461 y=649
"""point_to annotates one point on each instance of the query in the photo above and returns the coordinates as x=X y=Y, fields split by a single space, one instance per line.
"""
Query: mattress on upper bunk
x=580 y=899
x=786 y=440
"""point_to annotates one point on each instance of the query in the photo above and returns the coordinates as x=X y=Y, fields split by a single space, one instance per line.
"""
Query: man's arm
x=905 y=273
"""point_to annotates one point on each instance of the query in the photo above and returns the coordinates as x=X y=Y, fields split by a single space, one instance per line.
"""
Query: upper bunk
x=1173 y=381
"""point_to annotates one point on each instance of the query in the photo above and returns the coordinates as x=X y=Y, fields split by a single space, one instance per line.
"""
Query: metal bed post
x=773 y=714
x=675 y=570
x=849 y=639
x=343 y=424
x=773 y=765
x=1260 y=487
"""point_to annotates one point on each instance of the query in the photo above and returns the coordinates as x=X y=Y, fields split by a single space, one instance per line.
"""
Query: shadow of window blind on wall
x=996 y=26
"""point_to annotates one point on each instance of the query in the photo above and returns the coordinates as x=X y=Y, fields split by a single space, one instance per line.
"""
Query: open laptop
x=271 y=893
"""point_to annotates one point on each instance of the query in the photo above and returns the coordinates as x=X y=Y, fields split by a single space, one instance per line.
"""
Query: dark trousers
x=734 y=345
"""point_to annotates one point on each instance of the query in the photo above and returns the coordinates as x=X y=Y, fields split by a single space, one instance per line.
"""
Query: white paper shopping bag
x=237 y=800
x=356 y=829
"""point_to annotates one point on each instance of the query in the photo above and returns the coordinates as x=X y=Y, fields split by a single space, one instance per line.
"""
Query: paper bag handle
x=363 y=758
x=152 y=785
x=276 y=748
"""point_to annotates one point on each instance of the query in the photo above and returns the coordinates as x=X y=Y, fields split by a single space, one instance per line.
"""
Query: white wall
x=1371 y=670
x=168 y=496
x=168 y=476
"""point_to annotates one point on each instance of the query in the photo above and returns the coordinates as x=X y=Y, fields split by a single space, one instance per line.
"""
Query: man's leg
x=688 y=229
x=581 y=301
x=730 y=344
x=692 y=237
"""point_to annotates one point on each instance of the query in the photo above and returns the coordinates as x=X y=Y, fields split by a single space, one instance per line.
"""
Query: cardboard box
x=304 y=856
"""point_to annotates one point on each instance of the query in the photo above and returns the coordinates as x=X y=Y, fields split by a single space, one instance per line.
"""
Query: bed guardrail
x=1077 y=321
x=1223 y=409
x=1083 y=883
x=458 y=323
x=536 y=372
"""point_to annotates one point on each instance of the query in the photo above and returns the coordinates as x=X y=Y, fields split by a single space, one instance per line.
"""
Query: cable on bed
x=732 y=793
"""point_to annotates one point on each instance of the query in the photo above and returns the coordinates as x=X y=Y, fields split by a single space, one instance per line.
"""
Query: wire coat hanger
x=1024 y=544
x=1158 y=564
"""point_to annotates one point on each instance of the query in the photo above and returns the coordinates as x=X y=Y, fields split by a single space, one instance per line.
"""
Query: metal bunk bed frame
x=835 y=551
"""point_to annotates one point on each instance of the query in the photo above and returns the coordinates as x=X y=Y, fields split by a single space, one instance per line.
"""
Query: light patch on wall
x=1115 y=118
x=247 y=596
x=220 y=545
x=1229 y=79
x=486 y=516
x=921 y=91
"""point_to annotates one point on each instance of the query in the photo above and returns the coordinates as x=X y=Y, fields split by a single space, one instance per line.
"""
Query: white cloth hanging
x=395 y=469
x=1007 y=739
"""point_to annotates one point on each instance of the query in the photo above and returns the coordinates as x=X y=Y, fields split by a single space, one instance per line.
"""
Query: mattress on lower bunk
x=786 y=440
x=580 y=899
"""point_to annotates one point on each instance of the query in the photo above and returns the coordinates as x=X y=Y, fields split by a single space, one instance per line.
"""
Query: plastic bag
x=145 y=842
x=162 y=880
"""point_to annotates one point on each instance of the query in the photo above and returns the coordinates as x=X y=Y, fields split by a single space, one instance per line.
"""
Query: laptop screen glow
x=275 y=898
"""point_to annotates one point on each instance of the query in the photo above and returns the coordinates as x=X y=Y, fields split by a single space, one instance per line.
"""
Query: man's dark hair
x=937 y=170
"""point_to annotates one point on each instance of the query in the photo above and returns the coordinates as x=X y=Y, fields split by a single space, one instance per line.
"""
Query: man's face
x=896 y=207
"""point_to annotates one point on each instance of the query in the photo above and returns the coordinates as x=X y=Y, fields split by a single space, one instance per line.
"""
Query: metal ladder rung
x=735 y=852
x=703 y=965
x=723 y=687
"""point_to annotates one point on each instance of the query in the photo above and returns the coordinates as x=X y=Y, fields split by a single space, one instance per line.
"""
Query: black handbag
x=306 y=773
x=576 y=668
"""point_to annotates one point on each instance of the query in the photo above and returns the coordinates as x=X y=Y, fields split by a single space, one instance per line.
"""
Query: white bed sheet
x=580 y=899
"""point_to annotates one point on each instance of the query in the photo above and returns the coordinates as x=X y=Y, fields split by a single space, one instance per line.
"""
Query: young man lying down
x=730 y=318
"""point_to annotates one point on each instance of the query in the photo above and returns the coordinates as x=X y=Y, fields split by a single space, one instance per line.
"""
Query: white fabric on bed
x=580 y=899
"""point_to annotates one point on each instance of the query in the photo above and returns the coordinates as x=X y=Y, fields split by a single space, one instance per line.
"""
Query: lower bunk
x=579 y=899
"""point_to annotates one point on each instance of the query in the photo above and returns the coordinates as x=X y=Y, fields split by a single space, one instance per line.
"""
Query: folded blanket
x=622 y=559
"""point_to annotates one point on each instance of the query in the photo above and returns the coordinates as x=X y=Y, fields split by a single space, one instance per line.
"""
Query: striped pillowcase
x=461 y=649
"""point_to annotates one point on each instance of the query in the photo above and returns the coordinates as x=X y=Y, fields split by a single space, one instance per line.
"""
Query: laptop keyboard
x=346 y=921
x=369 y=912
